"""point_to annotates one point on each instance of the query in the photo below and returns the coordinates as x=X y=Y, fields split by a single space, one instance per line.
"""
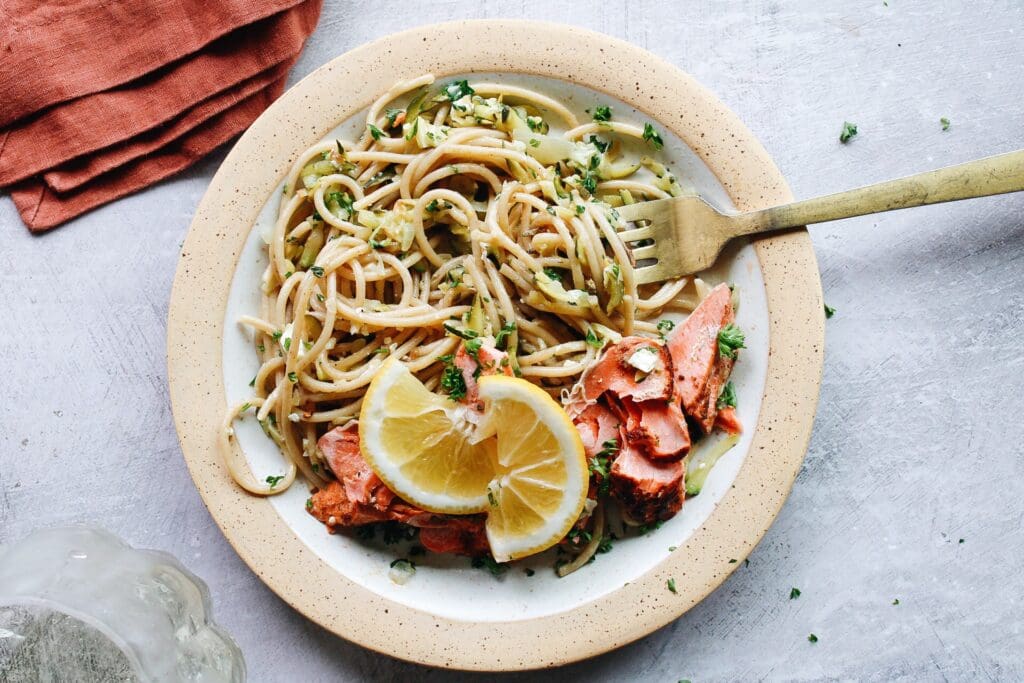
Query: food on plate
x=452 y=339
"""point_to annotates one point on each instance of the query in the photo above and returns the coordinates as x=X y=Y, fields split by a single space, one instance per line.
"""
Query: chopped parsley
x=453 y=383
x=848 y=132
x=309 y=503
x=664 y=327
x=829 y=311
x=896 y=601
x=726 y=399
x=273 y=481
x=671 y=583
x=490 y=564
x=252 y=382
x=433 y=206
x=599 y=144
x=652 y=136
x=812 y=638
x=317 y=270
x=580 y=536
x=392 y=115
x=600 y=465
x=945 y=123
x=376 y=132
x=794 y=593
x=645 y=529
x=730 y=340
x=534 y=142
x=292 y=377
x=341 y=150
x=528 y=571
x=456 y=90
x=733 y=561
x=455 y=276
x=553 y=273
x=589 y=183
x=672 y=548
x=473 y=348
x=504 y=333
x=605 y=546
x=603 y=113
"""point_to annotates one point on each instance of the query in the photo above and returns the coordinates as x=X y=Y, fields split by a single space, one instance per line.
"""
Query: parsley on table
x=945 y=123
x=456 y=90
x=813 y=638
x=829 y=311
x=273 y=481
x=896 y=601
x=849 y=130
x=603 y=113
x=664 y=327
x=671 y=583
x=730 y=340
x=528 y=571
x=651 y=135
x=733 y=561
x=726 y=399
x=376 y=132
x=794 y=593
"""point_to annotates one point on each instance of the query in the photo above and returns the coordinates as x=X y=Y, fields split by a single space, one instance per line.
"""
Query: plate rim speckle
x=253 y=169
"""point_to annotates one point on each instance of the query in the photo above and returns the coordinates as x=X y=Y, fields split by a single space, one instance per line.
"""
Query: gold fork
x=684 y=235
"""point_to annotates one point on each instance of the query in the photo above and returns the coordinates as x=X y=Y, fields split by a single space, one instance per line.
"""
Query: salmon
x=613 y=373
x=707 y=409
x=596 y=425
x=491 y=362
x=658 y=427
x=648 y=491
x=726 y=420
x=359 y=497
x=694 y=350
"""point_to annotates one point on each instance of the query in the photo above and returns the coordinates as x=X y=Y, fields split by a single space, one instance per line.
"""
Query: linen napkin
x=119 y=134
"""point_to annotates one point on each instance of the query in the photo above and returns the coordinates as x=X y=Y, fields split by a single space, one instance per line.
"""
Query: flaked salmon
x=694 y=350
x=635 y=367
x=657 y=427
x=648 y=491
x=359 y=497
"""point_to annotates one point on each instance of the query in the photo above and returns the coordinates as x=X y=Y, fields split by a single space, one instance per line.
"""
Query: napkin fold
x=209 y=73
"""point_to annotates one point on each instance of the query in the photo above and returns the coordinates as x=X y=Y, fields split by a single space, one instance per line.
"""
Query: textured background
x=918 y=438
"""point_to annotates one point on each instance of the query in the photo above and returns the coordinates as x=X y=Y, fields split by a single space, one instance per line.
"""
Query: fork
x=684 y=235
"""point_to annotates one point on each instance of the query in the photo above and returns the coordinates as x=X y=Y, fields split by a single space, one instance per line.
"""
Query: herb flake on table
x=812 y=638
x=603 y=113
x=651 y=135
x=829 y=311
x=848 y=132
x=896 y=601
x=945 y=123
x=794 y=593
x=671 y=583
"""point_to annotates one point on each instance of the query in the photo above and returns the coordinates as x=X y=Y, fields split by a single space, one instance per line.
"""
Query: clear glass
x=79 y=604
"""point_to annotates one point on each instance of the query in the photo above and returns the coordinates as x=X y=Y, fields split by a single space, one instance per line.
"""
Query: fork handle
x=988 y=176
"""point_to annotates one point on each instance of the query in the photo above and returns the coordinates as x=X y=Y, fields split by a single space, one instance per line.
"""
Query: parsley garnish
x=593 y=339
x=277 y=335
x=252 y=382
x=456 y=90
x=376 y=132
x=287 y=344
x=671 y=583
x=490 y=564
x=492 y=499
x=849 y=130
x=813 y=638
x=589 y=183
x=317 y=270
x=726 y=399
x=473 y=348
x=829 y=311
x=391 y=115
x=645 y=529
x=453 y=383
x=534 y=142
x=309 y=503
x=528 y=571
x=730 y=340
x=553 y=273
x=794 y=593
x=273 y=481
x=896 y=601
x=603 y=113
x=433 y=206
x=945 y=123
x=292 y=377
x=651 y=136
x=502 y=339
x=600 y=465
x=605 y=545
x=599 y=144
x=341 y=150
x=664 y=327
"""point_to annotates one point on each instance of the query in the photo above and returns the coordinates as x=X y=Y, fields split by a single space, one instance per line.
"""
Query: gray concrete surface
x=912 y=488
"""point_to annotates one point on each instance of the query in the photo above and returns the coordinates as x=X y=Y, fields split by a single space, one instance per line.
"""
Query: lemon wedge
x=523 y=464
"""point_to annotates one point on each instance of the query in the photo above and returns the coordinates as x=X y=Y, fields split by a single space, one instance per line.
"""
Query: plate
x=450 y=614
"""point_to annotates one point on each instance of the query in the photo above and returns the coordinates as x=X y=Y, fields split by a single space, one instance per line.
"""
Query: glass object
x=79 y=604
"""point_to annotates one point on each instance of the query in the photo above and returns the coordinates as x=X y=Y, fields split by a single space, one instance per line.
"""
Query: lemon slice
x=524 y=464
x=416 y=441
x=540 y=479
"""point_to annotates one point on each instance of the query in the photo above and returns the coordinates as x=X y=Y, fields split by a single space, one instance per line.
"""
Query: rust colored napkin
x=116 y=135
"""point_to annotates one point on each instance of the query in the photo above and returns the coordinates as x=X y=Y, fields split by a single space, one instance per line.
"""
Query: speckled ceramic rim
x=251 y=172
